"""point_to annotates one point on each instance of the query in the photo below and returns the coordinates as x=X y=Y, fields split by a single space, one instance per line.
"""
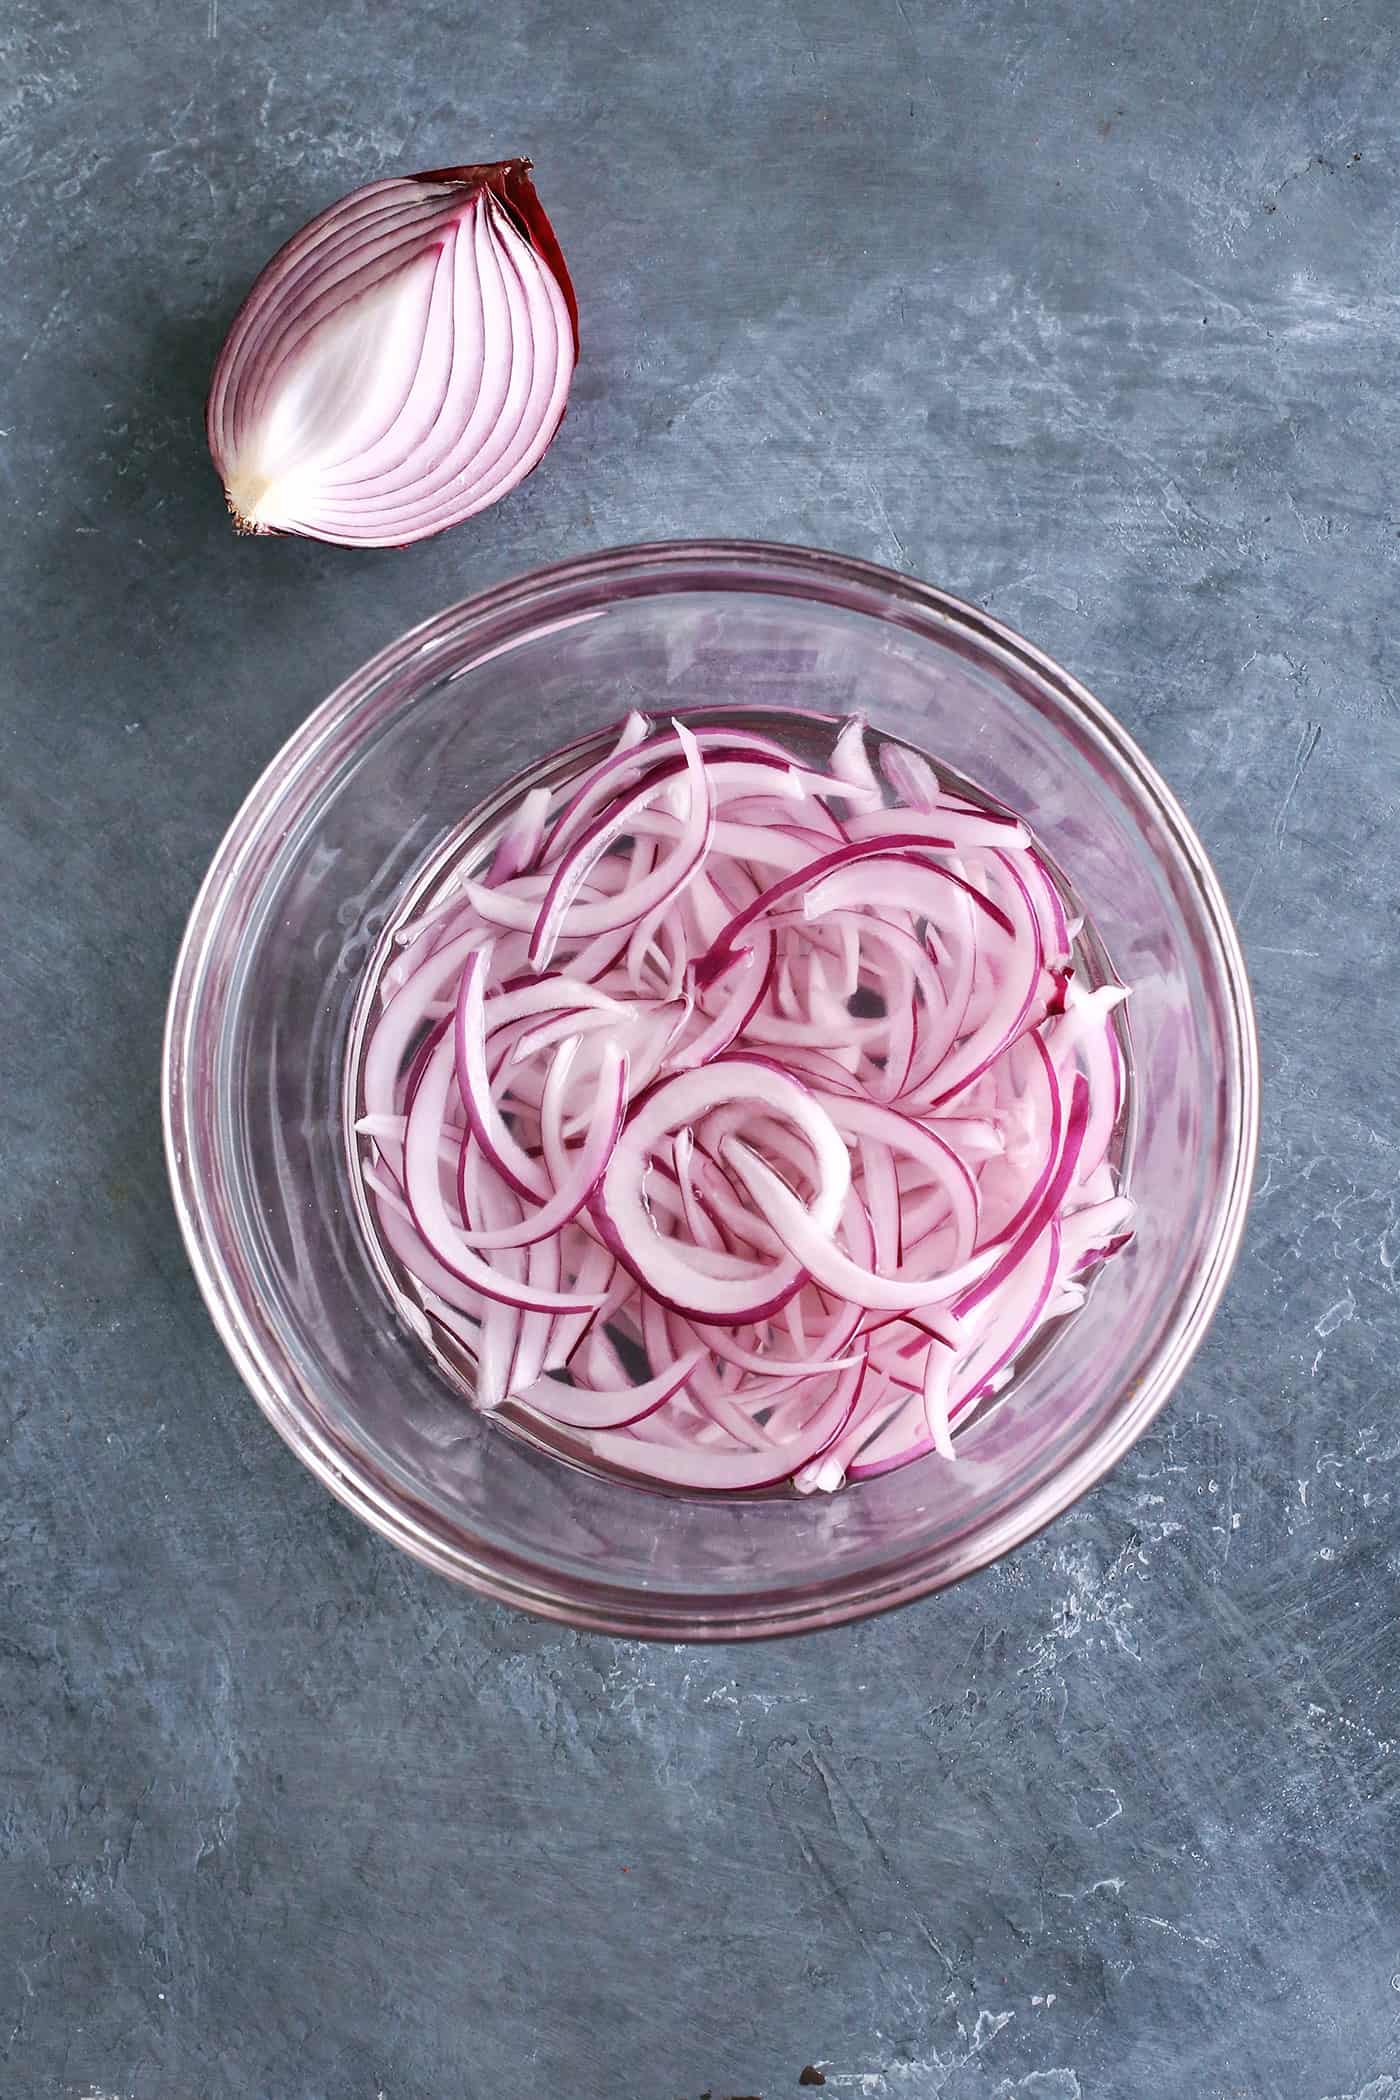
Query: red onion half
x=401 y=363
x=743 y=1123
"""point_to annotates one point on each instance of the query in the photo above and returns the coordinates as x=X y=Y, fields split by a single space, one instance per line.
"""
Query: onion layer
x=744 y=1123
x=402 y=362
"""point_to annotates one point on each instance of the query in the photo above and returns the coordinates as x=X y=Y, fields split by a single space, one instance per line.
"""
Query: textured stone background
x=1088 y=310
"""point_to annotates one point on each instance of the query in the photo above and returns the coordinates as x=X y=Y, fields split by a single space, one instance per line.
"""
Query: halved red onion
x=741 y=1127
x=401 y=363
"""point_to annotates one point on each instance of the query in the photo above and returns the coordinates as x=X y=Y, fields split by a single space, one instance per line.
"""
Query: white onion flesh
x=741 y=1124
x=402 y=363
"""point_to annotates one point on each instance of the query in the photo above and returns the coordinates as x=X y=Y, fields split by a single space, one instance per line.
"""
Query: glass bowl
x=260 y=1023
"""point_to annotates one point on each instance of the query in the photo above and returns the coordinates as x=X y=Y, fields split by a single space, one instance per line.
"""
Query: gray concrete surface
x=1088 y=310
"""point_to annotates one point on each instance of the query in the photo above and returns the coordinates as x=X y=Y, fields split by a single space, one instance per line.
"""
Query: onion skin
x=401 y=362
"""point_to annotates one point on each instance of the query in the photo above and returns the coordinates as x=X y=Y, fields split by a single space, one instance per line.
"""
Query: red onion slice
x=488 y=1126
x=573 y=1188
x=850 y=763
x=734 y=1472
x=615 y=1407
x=677 y=1104
x=823 y=1259
x=664 y=883
x=423 y=1186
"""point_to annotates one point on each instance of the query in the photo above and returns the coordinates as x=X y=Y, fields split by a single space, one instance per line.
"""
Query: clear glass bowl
x=259 y=1029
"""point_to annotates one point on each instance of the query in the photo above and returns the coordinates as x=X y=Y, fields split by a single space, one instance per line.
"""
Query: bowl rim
x=601 y=1607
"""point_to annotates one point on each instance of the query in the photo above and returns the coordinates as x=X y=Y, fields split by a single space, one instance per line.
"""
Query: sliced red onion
x=1009 y=1011
x=672 y=1279
x=664 y=883
x=401 y=363
x=405 y=1018
x=903 y=1135
x=818 y=1251
x=615 y=1407
x=443 y=1236
x=521 y=840
x=913 y=779
x=794 y=890
x=960 y=830
x=663 y=757
x=734 y=1472
x=851 y=764
x=474 y=1085
x=575 y=1186
x=793 y=1154
x=1045 y=1210
x=907 y=1435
